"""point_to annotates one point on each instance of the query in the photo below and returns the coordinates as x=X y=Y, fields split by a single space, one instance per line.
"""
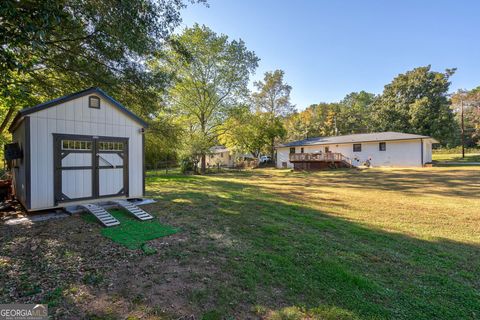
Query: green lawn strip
x=133 y=233
x=454 y=157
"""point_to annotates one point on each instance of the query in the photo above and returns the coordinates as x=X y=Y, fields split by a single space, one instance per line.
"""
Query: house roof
x=73 y=96
x=353 y=138
x=218 y=149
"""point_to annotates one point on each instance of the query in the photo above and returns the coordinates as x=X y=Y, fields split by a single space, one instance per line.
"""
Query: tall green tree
x=417 y=102
x=355 y=113
x=212 y=75
x=246 y=131
x=273 y=98
x=351 y=115
x=50 y=48
x=469 y=101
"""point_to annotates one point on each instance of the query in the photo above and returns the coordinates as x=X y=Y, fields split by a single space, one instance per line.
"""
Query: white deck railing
x=318 y=157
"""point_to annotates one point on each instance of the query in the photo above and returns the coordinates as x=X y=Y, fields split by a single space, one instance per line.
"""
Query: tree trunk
x=6 y=121
x=272 y=146
x=203 y=165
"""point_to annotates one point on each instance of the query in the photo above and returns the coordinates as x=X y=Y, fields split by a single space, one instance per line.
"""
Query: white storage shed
x=77 y=149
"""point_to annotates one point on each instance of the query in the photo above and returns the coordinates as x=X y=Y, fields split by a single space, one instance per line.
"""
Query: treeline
x=192 y=87
x=415 y=102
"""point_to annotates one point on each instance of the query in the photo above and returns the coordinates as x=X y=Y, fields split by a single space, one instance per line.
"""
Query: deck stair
x=133 y=209
x=101 y=214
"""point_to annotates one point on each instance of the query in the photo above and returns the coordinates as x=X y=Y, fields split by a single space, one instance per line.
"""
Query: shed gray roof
x=354 y=138
x=54 y=102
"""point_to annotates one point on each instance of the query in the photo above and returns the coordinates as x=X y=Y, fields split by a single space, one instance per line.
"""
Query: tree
x=161 y=141
x=466 y=105
x=355 y=113
x=273 y=98
x=212 y=75
x=300 y=125
x=245 y=131
x=51 y=48
x=417 y=102
x=349 y=116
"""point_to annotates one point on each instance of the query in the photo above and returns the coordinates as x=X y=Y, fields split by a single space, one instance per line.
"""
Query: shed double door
x=89 y=167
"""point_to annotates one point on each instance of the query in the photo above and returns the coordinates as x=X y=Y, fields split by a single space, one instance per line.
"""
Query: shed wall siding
x=19 y=167
x=405 y=153
x=75 y=117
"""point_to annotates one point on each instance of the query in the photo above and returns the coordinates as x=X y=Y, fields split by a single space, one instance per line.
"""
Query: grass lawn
x=454 y=157
x=274 y=244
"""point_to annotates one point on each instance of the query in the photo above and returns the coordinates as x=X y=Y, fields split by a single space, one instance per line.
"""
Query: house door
x=89 y=167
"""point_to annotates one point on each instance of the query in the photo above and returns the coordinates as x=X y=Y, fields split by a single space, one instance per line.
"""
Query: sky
x=329 y=48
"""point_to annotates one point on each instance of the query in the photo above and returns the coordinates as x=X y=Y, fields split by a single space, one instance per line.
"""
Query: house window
x=327 y=149
x=301 y=150
x=94 y=102
x=357 y=147
x=221 y=154
x=382 y=146
x=292 y=150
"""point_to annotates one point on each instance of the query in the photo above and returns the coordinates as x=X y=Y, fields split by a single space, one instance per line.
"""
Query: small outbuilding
x=80 y=148
x=380 y=149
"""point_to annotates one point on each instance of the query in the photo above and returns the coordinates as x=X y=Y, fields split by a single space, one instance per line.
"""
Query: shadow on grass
x=246 y=252
x=284 y=254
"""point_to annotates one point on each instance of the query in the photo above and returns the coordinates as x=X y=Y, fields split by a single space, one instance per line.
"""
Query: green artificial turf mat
x=133 y=233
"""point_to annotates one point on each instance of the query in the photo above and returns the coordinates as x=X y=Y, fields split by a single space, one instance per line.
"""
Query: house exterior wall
x=224 y=158
x=20 y=165
x=401 y=153
x=75 y=117
x=427 y=151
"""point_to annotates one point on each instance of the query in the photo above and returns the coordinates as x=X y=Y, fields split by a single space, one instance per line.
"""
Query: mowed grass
x=346 y=244
x=454 y=157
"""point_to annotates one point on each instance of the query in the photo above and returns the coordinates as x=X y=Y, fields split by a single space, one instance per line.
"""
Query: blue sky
x=329 y=48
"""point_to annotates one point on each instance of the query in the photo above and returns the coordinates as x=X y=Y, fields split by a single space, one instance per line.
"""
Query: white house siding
x=427 y=151
x=75 y=117
x=223 y=158
x=401 y=153
x=19 y=183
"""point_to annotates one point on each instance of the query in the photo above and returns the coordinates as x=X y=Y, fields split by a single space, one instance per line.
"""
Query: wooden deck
x=318 y=161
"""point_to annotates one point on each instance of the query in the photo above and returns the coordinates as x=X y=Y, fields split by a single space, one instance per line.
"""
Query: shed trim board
x=143 y=164
x=28 y=172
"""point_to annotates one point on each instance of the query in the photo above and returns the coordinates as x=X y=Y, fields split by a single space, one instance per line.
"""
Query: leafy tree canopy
x=212 y=75
x=273 y=99
x=417 y=102
x=245 y=131
x=51 y=48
